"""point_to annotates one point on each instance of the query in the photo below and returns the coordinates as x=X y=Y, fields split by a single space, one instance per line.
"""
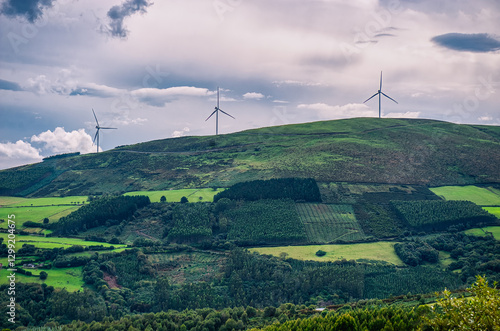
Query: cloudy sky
x=151 y=69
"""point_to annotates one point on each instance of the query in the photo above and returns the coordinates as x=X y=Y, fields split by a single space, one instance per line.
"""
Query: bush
x=43 y=275
x=320 y=253
x=184 y=200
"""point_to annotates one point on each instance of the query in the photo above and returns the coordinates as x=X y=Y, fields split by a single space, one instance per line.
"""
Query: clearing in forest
x=329 y=223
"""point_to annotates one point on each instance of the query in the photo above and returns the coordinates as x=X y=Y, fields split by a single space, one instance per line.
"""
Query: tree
x=479 y=312
x=45 y=220
x=184 y=200
x=163 y=199
x=43 y=275
x=320 y=253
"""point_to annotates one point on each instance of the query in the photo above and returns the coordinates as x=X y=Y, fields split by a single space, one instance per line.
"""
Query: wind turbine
x=216 y=112
x=98 y=127
x=380 y=93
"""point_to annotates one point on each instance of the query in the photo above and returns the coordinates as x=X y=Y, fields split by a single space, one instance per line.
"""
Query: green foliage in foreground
x=480 y=312
x=265 y=221
x=433 y=212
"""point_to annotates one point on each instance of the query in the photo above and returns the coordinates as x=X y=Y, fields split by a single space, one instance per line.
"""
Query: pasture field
x=188 y=266
x=381 y=251
x=495 y=230
x=69 y=278
x=54 y=242
x=193 y=195
x=327 y=223
x=482 y=196
x=54 y=201
x=493 y=210
x=35 y=214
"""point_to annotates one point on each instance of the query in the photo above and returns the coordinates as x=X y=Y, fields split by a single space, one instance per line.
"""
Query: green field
x=479 y=195
x=328 y=223
x=495 y=230
x=493 y=210
x=69 y=278
x=193 y=195
x=35 y=214
x=26 y=202
x=53 y=242
x=381 y=251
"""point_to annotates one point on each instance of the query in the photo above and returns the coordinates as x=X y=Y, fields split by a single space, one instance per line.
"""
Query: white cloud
x=408 y=114
x=20 y=150
x=59 y=141
x=346 y=111
x=15 y=154
x=485 y=118
x=253 y=96
x=177 y=134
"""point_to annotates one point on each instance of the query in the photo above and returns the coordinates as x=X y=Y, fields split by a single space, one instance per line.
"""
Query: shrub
x=320 y=253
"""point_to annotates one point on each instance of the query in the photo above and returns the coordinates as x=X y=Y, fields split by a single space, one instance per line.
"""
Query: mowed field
x=193 y=195
x=495 y=230
x=69 y=278
x=482 y=196
x=328 y=223
x=34 y=214
x=381 y=251
x=53 y=242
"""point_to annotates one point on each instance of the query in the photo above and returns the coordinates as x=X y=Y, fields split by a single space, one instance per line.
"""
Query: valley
x=320 y=214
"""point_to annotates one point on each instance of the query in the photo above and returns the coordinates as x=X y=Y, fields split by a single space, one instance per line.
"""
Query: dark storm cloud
x=11 y=86
x=117 y=14
x=478 y=42
x=29 y=9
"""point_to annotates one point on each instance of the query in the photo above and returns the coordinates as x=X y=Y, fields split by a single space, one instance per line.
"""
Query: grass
x=328 y=223
x=479 y=195
x=495 y=230
x=53 y=242
x=193 y=195
x=69 y=278
x=493 y=210
x=32 y=202
x=35 y=214
x=366 y=150
x=381 y=251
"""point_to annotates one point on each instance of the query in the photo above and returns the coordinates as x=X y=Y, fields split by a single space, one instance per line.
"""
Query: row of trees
x=265 y=221
x=297 y=189
x=414 y=253
x=99 y=212
x=435 y=212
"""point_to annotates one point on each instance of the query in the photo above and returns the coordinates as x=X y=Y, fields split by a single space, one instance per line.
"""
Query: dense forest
x=297 y=189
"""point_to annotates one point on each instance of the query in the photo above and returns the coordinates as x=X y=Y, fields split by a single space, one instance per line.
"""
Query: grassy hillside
x=369 y=150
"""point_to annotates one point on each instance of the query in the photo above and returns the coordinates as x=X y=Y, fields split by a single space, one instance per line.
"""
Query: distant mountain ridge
x=369 y=150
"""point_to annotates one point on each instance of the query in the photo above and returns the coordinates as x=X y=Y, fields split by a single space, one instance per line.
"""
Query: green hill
x=369 y=150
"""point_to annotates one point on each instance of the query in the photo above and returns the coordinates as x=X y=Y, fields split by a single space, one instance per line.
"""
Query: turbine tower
x=98 y=127
x=380 y=93
x=216 y=112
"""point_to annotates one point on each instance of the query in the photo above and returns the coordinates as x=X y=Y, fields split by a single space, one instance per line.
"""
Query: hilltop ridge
x=371 y=150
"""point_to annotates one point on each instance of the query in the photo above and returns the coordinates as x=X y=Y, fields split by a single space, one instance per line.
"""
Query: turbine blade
x=107 y=128
x=95 y=137
x=371 y=96
x=211 y=115
x=389 y=97
x=381 y=81
x=95 y=117
x=226 y=113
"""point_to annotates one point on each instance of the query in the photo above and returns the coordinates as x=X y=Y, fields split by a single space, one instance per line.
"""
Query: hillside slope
x=403 y=151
